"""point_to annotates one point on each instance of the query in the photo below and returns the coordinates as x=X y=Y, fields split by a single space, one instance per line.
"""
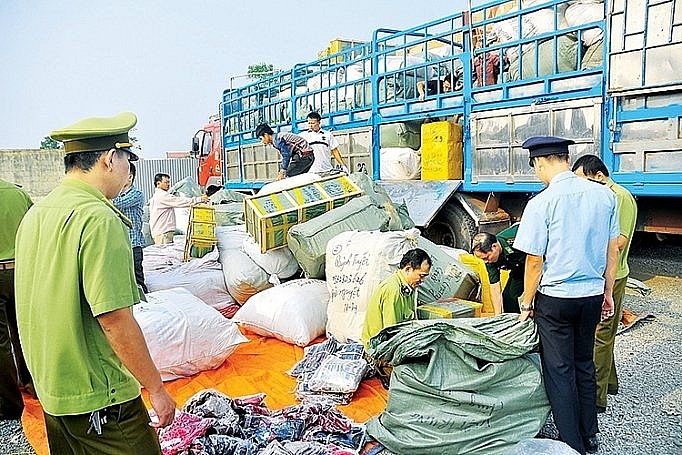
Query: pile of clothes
x=211 y=423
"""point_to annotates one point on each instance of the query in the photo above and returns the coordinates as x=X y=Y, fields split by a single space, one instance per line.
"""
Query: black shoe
x=601 y=409
x=592 y=444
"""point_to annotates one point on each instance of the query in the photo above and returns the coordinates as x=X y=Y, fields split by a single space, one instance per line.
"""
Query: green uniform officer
x=593 y=168
x=75 y=286
x=14 y=203
x=498 y=254
x=393 y=300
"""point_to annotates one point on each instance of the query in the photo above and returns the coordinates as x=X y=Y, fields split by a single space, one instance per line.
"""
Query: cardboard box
x=445 y=310
x=441 y=151
x=477 y=306
x=269 y=217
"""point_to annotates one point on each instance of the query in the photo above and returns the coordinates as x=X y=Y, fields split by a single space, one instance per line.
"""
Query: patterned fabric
x=131 y=203
x=179 y=435
x=290 y=144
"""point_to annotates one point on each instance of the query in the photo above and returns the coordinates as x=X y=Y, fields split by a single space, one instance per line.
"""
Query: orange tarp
x=258 y=366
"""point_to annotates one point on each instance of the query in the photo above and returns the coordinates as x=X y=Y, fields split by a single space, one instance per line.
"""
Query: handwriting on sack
x=351 y=268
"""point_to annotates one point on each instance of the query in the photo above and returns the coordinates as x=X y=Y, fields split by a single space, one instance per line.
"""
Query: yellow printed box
x=202 y=230
x=203 y=213
x=269 y=217
x=446 y=310
x=441 y=151
x=477 y=306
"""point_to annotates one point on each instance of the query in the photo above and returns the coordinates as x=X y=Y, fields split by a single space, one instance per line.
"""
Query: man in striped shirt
x=131 y=203
x=297 y=155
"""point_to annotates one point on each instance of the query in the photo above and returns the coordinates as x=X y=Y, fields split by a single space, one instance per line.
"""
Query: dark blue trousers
x=566 y=327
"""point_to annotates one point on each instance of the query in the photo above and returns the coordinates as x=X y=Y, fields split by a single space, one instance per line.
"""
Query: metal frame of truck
x=626 y=106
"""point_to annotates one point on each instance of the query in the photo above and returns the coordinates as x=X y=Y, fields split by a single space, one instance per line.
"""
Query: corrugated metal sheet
x=177 y=168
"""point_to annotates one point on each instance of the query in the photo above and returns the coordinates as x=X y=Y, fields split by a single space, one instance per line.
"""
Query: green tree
x=260 y=70
x=50 y=144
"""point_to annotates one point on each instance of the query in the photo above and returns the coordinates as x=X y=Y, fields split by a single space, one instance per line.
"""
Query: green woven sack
x=308 y=241
x=467 y=386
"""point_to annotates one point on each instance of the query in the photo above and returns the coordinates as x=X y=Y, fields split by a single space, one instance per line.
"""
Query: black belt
x=7 y=265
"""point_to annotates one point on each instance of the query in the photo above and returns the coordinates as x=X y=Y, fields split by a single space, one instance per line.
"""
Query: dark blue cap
x=546 y=145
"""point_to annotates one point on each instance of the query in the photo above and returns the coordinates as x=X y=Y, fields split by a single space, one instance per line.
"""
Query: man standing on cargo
x=297 y=155
x=498 y=253
x=14 y=203
x=75 y=288
x=593 y=168
x=324 y=145
x=162 y=207
x=569 y=232
x=131 y=203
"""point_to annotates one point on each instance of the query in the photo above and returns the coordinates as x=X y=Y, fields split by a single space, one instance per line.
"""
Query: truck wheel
x=452 y=227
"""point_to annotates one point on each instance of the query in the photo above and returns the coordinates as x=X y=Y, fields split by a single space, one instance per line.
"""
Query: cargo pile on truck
x=518 y=69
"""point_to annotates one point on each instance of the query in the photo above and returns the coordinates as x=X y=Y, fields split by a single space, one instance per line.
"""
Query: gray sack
x=465 y=386
x=308 y=241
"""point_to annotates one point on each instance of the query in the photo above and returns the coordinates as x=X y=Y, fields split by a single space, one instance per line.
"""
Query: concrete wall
x=40 y=171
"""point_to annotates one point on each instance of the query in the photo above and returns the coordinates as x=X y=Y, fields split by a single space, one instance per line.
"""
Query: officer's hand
x=607 y=307
x=525 y=315
x=164 y=408
x=204 y=198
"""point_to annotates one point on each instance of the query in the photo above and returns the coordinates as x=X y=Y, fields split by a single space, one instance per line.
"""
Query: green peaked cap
x=98 y=133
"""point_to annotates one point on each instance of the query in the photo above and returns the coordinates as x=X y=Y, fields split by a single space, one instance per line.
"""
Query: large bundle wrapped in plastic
x=399 y=218
x=448 y=277
x=290 y=182
x=202 y=277
x=159 y=257
x=295 y=311
x=471 y=366
x=583 y=12
x=400 y=163
x=566 y=56
x=532 y=24
x=279 y=263
x=243 y=277
x=184 y=335
x=308 y=241
x=356 y=262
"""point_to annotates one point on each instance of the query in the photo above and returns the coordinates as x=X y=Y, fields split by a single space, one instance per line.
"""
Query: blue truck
x=607 y=75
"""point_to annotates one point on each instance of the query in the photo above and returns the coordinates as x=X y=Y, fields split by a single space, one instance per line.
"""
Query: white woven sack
x=230 y=237
x=400 y=163
x=279 y=263
x=289 y=182
x=159 y=257
x=583 y=13
x=243 y=277
x=184 y=335
x=295 y=311
x=202 y=277
x=356 y=262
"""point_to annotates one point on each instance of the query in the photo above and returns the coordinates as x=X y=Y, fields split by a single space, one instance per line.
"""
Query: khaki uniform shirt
x=73 y=263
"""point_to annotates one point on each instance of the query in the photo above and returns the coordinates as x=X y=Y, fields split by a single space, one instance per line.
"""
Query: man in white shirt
x=162 y=207
x=324 y=145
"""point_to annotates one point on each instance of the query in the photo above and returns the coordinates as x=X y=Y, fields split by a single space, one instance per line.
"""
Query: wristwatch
x=526 y=308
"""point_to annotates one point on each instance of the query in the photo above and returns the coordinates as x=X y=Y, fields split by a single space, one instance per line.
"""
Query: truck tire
x=452 y=227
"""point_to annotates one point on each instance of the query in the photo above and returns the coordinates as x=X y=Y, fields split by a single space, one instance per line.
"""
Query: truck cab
x=207 y=149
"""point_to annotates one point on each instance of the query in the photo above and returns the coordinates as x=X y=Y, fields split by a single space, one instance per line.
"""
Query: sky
x=166 y=61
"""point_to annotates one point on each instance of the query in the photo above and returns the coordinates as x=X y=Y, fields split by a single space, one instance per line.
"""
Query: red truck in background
x=207 y=148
